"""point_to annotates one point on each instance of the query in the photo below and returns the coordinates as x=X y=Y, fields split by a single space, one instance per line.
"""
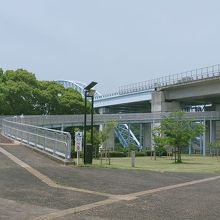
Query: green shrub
x=140 y=153
x=117 y=154
x=118 y=147
x=114 y=154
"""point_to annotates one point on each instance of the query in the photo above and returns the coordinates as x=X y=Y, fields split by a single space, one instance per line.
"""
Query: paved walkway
x=35 y=187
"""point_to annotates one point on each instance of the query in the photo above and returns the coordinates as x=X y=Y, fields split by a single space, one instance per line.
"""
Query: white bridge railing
x=169 y=80
x=57 y=143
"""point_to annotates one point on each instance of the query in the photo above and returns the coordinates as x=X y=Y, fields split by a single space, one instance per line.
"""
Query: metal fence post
x=55 y=144
x=44 y=141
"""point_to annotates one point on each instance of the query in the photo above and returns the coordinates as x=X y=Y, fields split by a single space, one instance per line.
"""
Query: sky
x=112 y=42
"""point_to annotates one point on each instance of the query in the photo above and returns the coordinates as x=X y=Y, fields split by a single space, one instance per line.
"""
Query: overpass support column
x=147 y=135
x=141 y=136
x=209 y=134
x=102 y=111
x=200 y=143
x=213 y=128
x=204 y=139
x=190 y=148
x=159 y=103
x=210 y=131
x=129 y=136
x=110 y=142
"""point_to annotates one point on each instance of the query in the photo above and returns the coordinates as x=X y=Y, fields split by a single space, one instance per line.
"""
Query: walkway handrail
x=52 y=141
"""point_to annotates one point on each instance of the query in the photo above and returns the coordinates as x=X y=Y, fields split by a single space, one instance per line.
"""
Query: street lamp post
x=88 y=92
x=84 y=136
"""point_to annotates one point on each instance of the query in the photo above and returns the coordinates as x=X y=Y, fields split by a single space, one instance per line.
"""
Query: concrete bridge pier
x=110 y=142
x=141 y=136
x=147 y=128
x=210 y=132
x=208 y=136
x=160 y=104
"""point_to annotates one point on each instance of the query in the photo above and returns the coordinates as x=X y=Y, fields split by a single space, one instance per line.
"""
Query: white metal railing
x=1 y=118
x=55 y=142
x=175 y=79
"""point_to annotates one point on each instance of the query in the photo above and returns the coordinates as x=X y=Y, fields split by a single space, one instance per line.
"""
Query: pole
x=204 y=141
x=92 y=122
x=84 y=138
x=132 y=158
x=77 y=162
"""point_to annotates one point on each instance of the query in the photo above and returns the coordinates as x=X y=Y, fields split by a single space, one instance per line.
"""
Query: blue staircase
x=126 y=136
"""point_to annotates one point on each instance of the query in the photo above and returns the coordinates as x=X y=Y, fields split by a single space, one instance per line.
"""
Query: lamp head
x=90 y=86
x=91 y=92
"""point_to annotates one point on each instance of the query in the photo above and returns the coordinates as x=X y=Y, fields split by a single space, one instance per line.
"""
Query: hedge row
x=122 y=154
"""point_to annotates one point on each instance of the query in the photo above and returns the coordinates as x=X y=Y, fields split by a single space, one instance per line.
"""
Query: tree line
x=22 y=93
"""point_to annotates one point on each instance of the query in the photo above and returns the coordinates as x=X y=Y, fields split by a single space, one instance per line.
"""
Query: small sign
x=78 y=141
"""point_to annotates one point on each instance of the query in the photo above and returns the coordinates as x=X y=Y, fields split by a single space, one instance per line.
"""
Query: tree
x=177 y=131
x=104 y=134
x=22 y=93
x=96 y=141
x=158 y=142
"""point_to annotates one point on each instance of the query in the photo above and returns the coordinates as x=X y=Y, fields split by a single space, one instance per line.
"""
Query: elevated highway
x=195 y=87
x=199 y=86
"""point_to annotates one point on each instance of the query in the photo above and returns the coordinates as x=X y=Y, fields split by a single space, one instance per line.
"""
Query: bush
x=114 y=154
x=118 y=147
x=140 y=153
x=150 y=153
x=117 y=154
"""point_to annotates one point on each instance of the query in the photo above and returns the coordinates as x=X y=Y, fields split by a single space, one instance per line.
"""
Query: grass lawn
x=164 y=164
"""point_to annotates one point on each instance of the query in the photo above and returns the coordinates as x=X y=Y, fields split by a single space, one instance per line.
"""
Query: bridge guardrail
x=54 y=142
x=175 y=79
x=179 y=78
